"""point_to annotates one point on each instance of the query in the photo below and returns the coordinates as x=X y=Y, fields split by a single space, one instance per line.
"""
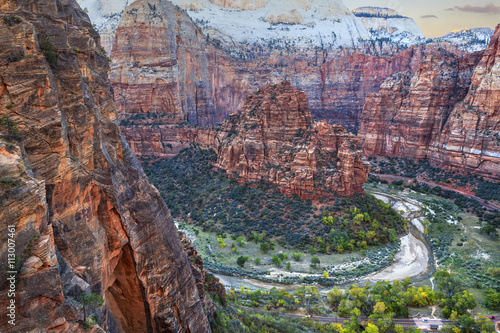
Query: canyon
x=399 y=99
x=291 y=93
x=447 y=112
x=166 y=74
x=86 y=218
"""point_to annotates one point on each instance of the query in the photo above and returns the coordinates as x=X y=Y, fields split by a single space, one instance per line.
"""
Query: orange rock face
x=275 y=140
x=471 y=136
x=86 y=217
x=165 y=73
x=411 y=110
x=447 y=112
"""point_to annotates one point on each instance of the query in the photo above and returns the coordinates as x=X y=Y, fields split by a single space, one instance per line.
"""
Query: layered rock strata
x=410 y=110
x=471 y=137
x=448 y=112
x=166 y=77
x=86 y=217
x=275 y=140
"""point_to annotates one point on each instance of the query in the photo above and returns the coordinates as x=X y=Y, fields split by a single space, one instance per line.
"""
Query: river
x=414 y=258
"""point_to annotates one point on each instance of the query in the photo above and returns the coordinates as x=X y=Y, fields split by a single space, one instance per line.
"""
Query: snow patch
x=480 y=255
x=468 y=40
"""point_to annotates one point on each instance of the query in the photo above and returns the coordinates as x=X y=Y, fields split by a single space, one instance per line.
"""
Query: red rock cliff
x=448 y=112
x=471 y=136
x=86 y=217
x=275 y=140
x=411 y=110
x=166 y=72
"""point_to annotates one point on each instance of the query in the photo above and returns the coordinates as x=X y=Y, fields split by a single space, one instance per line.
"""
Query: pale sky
x=438 y=17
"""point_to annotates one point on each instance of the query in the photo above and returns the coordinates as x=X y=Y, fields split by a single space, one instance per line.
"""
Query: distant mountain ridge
x=469 y=40
x=278 y=24
x=388 y=28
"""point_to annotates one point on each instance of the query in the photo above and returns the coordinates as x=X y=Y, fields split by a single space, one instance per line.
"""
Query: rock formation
x=388 y=28
x=86 y=217
x=471 y=136
x=447 y=112
x=275 y=140
x=166 y=74
x=410 y=110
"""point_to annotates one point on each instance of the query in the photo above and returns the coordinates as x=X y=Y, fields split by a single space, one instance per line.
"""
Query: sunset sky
x=438 y=17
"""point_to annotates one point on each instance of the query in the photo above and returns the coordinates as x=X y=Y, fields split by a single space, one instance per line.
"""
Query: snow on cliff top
x=469 y=40
x=388 y=23
x=277 y=23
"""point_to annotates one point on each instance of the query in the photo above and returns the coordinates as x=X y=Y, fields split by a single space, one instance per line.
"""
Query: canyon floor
x=415 y=257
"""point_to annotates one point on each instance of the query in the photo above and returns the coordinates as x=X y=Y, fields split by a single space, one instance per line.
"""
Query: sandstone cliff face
x=164 y=73
x=411 y=110
x=87 y=218
x=471 y=136
x=447 y=112
x=166 y=76
x=275 y=140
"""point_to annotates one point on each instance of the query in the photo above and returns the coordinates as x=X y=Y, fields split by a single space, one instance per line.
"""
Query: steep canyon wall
x=86 y=217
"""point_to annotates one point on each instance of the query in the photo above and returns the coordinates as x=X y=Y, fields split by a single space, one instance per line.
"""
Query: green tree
x=264 y=247
x=13 y=132
x=49 y=52
x=241 y=260
x=256 y=261
x=256 y=237
x=494 y=272
x=460 y=302
x=315 y=262
x=289 y=266
x=297 y=256
x=276 y=261
x=335 y=296
x=90 y=304
x=492 y=299
x=358 y=219
x=489 y=230
x=241 y=241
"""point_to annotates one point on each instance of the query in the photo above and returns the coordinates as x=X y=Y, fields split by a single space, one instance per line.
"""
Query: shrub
x=241 y=260
x=264 y=247
x=90 y=304
x=494 y=272
x=315 y=262
x=13 y=132
x=11 y=20
x=49 y=52
x=276 y=261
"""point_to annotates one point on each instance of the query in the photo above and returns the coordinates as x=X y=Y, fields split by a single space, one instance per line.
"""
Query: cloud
x=428 y=16
x=489 y=8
